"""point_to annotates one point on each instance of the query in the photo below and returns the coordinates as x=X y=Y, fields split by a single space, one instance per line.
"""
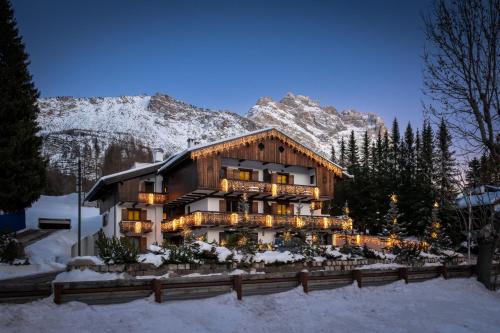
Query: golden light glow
x=316 y=193
x=224 y=185
x=287 y=236
x=326 y=223
x=197 y=219
x=299 y=222
x=151 y=198
x=234 y=218
x=314 y=238
x=347 y=224
x=436 y=204
x=137 y=227
x=394 y=198
x=358 y=239
x=434 y=235
x=186 y=233
x=223 y=243
x=395 y=221
x=274 y=190
x=269 y=221
x=334 y=240
x=242 y=241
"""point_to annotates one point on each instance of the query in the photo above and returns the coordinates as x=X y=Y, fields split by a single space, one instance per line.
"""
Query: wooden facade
x=268 y=150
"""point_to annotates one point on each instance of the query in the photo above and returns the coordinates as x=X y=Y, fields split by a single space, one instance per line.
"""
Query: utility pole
x=79 y=184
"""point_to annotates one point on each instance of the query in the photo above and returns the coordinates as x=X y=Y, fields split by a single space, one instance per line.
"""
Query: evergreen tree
x=342 y=157
x=446 y=181
x=435 y=236
x=365 y=155
x=333 y=157
x=392 y=228
x=394 y=155
x=407 y=187
x=352 y=155
x=473 y=174
x=21 y=164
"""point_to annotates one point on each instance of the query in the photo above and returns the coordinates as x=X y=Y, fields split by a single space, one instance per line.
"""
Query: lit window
x=134 y=215
x=164 y=217
x=244 y=175
x=282 y=179
x=282 y=209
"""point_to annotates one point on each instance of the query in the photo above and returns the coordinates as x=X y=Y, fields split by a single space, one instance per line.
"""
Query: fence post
x=356 y=275
x=403 y=274
x=57 y=292
x=237 y=285
x=303 y=280
x=443 y=270
x=156 y=284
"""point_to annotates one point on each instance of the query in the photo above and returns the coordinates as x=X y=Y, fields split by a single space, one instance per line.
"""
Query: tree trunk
x=484 y=261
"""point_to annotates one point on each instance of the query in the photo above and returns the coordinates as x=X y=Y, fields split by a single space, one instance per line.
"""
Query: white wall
x=266 y=236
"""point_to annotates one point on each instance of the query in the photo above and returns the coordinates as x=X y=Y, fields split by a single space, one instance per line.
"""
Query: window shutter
x=143 y=244
x=274 y=208
x=255 y=176
x=124 y=214
x=290 y=180
x=255 y=207
x=222 y=205
x=292 y=209
x=274 y=178
x=144 y=215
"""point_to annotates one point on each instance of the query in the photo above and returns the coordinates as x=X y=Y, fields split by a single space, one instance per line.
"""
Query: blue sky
x=364 y=55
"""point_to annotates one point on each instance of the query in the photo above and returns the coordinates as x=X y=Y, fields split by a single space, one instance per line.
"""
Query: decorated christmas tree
x=435 y=234
x=393 y=229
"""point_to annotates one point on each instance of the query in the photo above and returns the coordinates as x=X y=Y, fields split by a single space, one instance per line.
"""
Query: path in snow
x=456 y=305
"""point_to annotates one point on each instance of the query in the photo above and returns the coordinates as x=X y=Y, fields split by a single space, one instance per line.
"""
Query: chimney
x=157 y=155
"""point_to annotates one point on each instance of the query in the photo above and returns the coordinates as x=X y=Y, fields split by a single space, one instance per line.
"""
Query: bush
x=9 y=248
x=182 y=254
x=116 y=251
x=369 y=253
x=408 y=253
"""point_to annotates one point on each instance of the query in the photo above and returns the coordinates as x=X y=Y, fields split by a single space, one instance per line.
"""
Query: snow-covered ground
x=53 y=252
x=456 y=305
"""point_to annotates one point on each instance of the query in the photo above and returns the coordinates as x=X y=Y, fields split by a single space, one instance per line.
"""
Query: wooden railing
x=229 y=185
x=206 y=219
x=131 y=228
x=152 y=198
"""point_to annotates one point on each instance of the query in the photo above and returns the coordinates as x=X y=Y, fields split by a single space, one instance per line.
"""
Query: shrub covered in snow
x=9 y=248
x=116 y=251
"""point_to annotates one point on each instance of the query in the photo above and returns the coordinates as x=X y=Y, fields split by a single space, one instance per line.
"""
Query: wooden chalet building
x=262 y=182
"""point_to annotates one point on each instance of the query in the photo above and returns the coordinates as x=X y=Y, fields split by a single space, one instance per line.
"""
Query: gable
x=277 y=148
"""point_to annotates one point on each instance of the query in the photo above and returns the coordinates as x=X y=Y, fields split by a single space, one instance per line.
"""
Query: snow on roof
x=483 y=199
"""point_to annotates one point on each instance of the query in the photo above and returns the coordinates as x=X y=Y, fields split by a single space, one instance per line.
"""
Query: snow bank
x=455 y=305
x=270 y=257
x=151 y=258
x=87 y=275
x=53 y=252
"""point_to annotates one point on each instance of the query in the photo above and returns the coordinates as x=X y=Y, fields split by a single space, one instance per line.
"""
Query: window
x=164 y=216
x=311 y=179
x=134 y=214
x=104 y=220
x=281 y=209
x=232 y=206
x=245 y=175
x=261 y=146
x=149 y=187
x=281 y=149
x=282 y=179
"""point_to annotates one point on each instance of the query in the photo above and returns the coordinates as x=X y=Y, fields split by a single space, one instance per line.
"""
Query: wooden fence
x=183 y=288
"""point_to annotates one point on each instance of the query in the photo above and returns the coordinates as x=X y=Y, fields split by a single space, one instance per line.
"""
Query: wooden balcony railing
x=229 y=185
x=207 y=219
x=152 y=198
x=131 y=228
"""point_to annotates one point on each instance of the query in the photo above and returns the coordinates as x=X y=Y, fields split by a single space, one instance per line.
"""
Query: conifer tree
x=407 y=188
x=435 y=234
x=342 y=157
x=392 y=228
x=352 y=155
x=394 y=155
x=333 y=157
x=22 y=168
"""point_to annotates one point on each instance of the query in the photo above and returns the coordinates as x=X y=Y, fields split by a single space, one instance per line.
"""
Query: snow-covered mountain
x=160 y=121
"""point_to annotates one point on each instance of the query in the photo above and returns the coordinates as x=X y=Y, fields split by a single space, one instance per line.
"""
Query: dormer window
x=245 y=174
x=282 y=178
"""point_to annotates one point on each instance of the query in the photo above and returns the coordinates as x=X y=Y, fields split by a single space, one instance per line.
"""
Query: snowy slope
x=456 y=305
x=160 y=121
x=53 y=252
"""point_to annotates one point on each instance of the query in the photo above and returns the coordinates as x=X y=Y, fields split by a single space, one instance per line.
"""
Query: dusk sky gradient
x=364 y=55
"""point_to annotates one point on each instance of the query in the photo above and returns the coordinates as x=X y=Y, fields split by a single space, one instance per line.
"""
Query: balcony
x=136 y=228
x=152 y=198
x=229 y=185
x=236 y=220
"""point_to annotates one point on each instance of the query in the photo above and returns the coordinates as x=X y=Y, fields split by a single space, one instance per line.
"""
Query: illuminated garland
x=218 y=147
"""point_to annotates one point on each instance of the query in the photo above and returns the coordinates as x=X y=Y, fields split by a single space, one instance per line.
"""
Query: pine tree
x=446 y=181
x=333 y=157
x=407 y=187
x=342 y=158
x=352 y=155
x=393 y=229
x=21 y=164
x=394 y=155
x=435 y=235
x=365 y=155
